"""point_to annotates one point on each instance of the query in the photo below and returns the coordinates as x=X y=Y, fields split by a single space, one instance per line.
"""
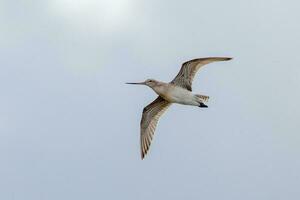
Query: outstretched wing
x=151 y=114
x=188 y=70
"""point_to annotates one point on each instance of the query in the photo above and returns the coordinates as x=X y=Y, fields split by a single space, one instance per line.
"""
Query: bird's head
x=149 y=82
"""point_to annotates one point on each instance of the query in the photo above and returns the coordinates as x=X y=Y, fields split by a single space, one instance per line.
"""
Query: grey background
x=69 y=126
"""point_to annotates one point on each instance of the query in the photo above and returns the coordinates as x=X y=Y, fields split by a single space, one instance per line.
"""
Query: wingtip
x=228 y=58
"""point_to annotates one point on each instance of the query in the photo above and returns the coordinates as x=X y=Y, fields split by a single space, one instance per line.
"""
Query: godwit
x=179 y=90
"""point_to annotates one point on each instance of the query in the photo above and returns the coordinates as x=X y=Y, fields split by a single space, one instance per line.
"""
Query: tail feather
x=202 y=97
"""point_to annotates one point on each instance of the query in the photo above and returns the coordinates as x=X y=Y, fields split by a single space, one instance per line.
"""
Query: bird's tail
x=202 y=98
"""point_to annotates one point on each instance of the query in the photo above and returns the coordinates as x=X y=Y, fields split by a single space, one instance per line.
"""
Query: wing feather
x=150 y=117
x=189 y=69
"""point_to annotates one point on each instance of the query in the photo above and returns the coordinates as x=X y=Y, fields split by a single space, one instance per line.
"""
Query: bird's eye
x=150 y=81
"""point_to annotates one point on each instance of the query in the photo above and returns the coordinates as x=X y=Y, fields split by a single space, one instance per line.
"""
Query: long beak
x=141 y=83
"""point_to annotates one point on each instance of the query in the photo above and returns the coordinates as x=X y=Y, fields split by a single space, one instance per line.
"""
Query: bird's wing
x=188 y=70
x=150 y=117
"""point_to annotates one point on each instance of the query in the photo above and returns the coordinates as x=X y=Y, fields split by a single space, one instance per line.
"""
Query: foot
x=202 y=105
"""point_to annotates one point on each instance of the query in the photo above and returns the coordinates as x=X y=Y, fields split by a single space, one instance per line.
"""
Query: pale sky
x=69 y=126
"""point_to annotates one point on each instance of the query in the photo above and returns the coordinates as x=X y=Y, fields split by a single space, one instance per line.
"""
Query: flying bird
x=179 y=90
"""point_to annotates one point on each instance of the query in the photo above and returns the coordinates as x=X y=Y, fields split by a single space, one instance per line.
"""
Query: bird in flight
x=179 y=90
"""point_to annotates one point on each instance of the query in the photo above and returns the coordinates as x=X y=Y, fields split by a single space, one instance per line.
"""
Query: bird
x=179 y=91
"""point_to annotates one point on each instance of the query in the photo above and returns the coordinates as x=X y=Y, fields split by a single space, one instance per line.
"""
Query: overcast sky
x=69 y=126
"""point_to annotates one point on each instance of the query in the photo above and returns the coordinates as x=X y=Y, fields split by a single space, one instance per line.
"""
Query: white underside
x=179 y=95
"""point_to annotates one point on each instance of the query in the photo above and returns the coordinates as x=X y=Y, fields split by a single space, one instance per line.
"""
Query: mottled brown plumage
x=188 y=70
x=151 y=114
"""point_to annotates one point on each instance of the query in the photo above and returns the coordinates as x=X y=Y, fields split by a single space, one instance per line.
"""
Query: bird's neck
x=160 y=88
